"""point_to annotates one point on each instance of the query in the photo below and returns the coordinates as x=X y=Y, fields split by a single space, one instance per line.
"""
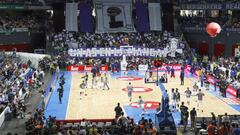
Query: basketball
x=213 y=29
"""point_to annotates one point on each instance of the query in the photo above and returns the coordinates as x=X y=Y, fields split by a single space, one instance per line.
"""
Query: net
x=152 y=76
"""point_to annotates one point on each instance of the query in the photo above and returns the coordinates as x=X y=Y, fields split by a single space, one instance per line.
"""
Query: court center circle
x=147 y=105
x=129 y=78
x=139 y=89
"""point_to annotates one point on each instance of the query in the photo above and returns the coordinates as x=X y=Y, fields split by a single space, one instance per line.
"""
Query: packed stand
x=200 y=22
x=223 y=124
x=121 y=125
x=21 y=2
x=225 y=72
x=114 y=64
x=17 y=81
x=206 y=1
x=65 y=40
x=11 y=23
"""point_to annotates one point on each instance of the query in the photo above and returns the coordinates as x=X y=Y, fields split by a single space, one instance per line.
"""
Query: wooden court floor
x=99 y=104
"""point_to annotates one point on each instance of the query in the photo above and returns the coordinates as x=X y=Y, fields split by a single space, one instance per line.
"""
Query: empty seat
x=68 y=125
x=100 y=124
x=108 y=124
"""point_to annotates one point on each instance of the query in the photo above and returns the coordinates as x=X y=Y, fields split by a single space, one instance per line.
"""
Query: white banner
x=71 y=17
x=114 y=16
x=118 y=52
x=154 y=11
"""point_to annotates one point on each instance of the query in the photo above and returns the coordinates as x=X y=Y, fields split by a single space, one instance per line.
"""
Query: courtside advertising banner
x=85 y=68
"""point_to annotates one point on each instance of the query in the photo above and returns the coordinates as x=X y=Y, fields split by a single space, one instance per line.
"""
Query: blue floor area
x=236 y=107
x=176 y=115
x=135 y=113
x=132 y=112
x=54 y=108
x=47 y=89
x=188 y=75
x=128 y=73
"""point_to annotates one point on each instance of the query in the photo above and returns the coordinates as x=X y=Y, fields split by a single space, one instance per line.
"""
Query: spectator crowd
x=89 y=40
x=11 y=23
x=17 y=81
x=206 y=1
x=201 y=22
x=21 y=2
x=121 y=125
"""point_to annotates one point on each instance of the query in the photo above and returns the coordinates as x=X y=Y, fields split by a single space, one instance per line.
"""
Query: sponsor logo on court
x=129 y=78
x=74 y=68
x=231 y=91
x=146 y=105
x=139 y=89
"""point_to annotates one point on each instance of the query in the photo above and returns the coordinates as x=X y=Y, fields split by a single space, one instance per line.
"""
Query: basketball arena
x=119 y=67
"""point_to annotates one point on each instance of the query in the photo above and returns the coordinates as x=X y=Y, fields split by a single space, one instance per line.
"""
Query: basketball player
x=141 y=105
x=172 y=72
x=182 y=77
x=195 y=87
x=188 y=95
x=130 y=90
x=60 y=94
x=85 y=77
x=94 y=74
x=173 y=99
x=150 y=75
x=105 y=82
x=200 y=99
x=177 y=99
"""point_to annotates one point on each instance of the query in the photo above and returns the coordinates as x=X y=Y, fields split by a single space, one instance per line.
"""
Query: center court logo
x=147 y=105
x=139 y=89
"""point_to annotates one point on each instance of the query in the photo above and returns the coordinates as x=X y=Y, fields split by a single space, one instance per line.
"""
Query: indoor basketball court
x=95 y=103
